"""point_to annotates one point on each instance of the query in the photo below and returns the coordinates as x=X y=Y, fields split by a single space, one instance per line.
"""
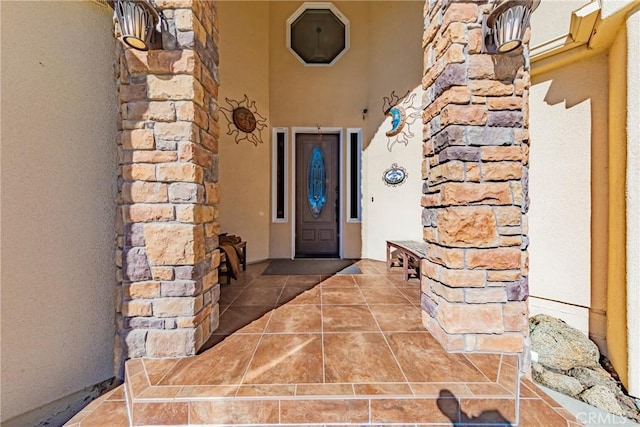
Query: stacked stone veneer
x=474 y=283
x=167 y=298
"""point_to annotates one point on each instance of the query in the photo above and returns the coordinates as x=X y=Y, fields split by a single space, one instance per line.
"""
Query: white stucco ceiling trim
x=611 y=7
x=581 y=27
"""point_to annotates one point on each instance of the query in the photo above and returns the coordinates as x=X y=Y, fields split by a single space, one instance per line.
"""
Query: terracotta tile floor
x=312 y=350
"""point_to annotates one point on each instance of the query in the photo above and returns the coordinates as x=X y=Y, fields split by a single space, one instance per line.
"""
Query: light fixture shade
x=507 y=25
x=137 y=21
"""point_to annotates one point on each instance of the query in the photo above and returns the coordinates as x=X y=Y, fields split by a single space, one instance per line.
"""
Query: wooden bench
x=406 y=253
x=223 y=269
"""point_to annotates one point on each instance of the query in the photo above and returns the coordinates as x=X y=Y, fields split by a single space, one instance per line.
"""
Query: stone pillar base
x=475 y=172
x=168 y=257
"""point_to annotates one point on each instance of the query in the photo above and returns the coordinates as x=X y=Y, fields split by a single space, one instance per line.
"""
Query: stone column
x=168 y=291
x=474 y=283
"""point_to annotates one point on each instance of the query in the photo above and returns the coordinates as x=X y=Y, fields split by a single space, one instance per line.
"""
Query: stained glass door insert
x=316 y=183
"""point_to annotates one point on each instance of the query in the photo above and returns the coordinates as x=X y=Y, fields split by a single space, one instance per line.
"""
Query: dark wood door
x=317 y=195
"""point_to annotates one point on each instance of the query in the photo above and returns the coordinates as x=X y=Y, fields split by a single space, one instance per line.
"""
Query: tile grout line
x=262 y=334
x=501 y=371
x=400 y=290
x=128 y=398
x=394 y=355
x=167 y=371
x=386 y=341
x=481 y=371
x=324 y=376
x=255 y=350
x=517 y=386
x=242 y=290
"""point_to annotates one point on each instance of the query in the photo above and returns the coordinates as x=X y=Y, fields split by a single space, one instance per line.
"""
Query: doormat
x=309 y=266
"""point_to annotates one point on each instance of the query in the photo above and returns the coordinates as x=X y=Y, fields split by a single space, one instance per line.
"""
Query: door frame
x=326 y=130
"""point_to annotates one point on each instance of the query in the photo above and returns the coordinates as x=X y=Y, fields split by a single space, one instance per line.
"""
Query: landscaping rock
x=592 y=377
x=569 y=363
x=559 y=346
x=602 y=397
x=558 y=382
x=629 y=407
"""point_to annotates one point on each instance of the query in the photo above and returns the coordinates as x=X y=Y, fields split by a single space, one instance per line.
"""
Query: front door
x=317 y=195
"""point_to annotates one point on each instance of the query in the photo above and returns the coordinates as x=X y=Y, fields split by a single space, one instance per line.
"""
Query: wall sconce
x=138 y=20
x=504 y=28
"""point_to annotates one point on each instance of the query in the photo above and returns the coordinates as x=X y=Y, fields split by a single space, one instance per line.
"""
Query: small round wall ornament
x=395 y=176
x=244 y=120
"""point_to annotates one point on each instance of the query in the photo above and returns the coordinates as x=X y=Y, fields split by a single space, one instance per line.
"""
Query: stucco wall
x=633 y=200
x=336 y=96
x=58 y=191
x=552 y=18
x=612 y=313
x=616 y=303
x=303 y=96
x=569 y=194
x=255 y=61
x=392 y=213
x=244 y=167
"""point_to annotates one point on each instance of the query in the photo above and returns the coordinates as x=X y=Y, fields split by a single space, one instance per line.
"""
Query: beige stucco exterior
x=584 y=128
x=551 y=18
x=309 y=97
x=245 y=167
x=568 y=178
x=392 y=213
x=633 y=201
x=294 y=96
x=59 y=160
x=58 y=194
x=617 y=217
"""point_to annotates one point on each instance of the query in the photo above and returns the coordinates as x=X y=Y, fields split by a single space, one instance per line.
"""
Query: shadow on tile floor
x=376 y=365
x=253 y=295
x=450 y=406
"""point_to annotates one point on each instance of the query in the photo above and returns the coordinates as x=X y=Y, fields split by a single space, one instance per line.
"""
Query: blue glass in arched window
x=316 y=183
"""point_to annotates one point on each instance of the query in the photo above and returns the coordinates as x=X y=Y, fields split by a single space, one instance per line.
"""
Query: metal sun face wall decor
x=403 y=114
x=245 y=123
